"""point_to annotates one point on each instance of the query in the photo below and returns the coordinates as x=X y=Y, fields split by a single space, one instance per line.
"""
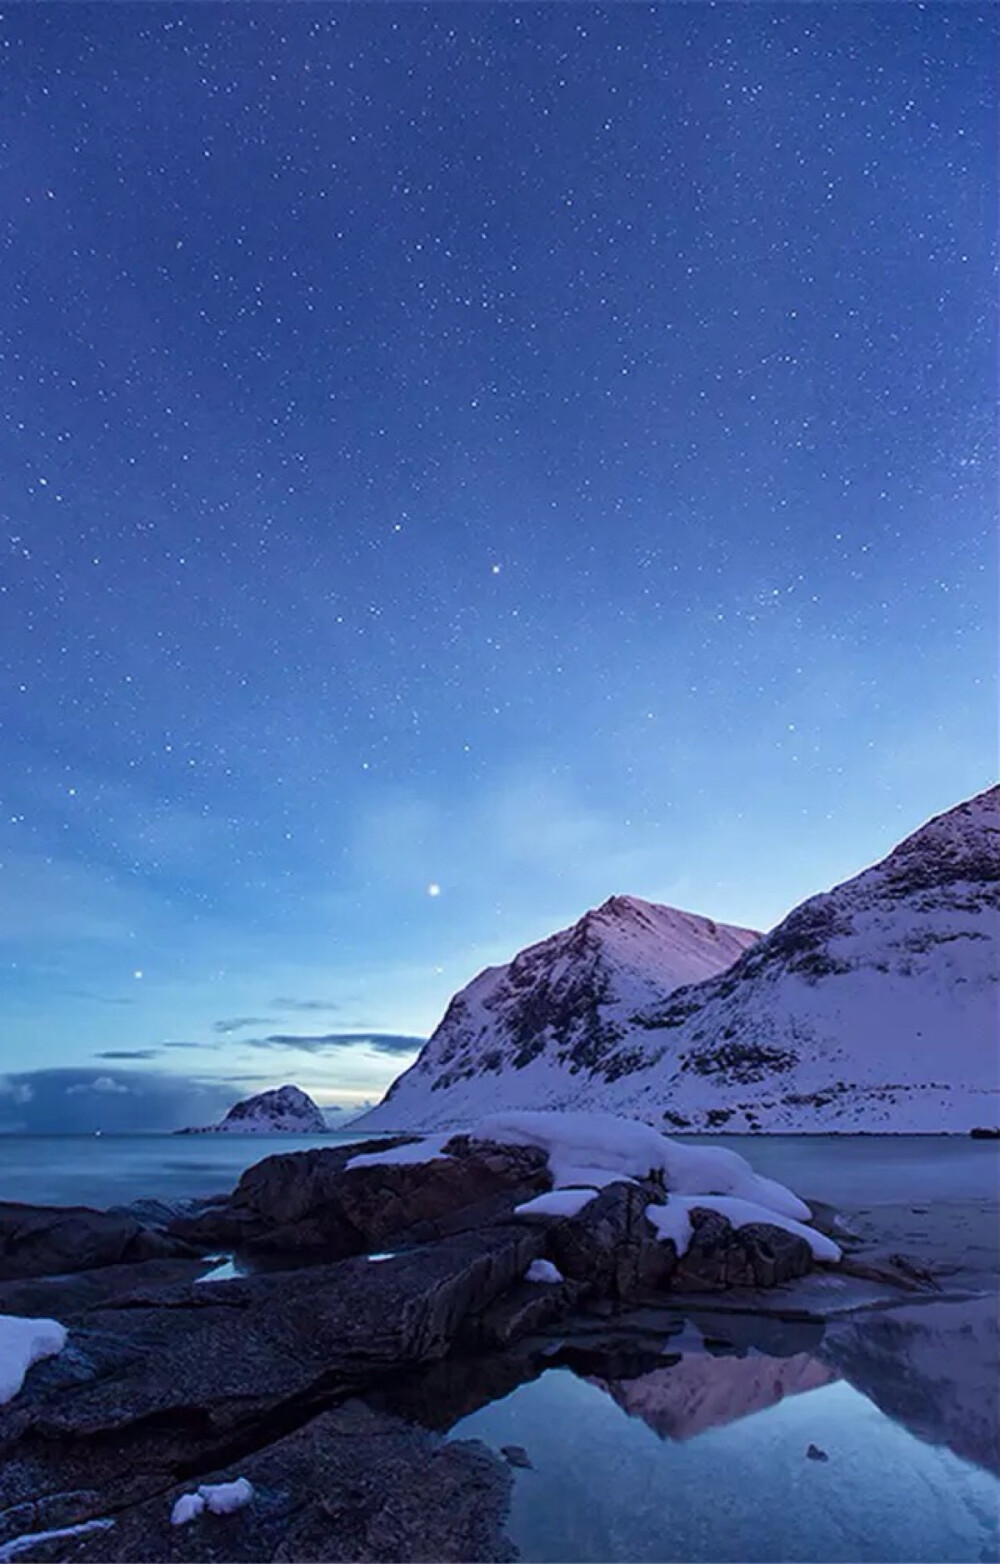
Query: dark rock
x=152 y=1212
x=527 y=1307
x=51 y=1240
x=720 y=1256
x=609 y=1245
x=516 y=1455
x=438 y=1395
x=814 y=1453
x=178 y=1378
x=310 y=1202
x=352 y=1484
x=67 y=1297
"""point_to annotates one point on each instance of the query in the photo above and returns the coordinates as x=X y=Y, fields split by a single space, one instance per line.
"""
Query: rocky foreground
x=372 y=1278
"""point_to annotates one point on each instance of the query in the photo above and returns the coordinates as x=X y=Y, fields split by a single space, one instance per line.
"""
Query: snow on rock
x=673 y=1221
x=218 y=1498
x=424 y=1150
x=557 y=1202
x=285 y=1111
x=543 y=1271
x=558 y=1014
x=871 y=1007
x=31 y=1539
x=22 y=1343
x=187 y=1508
x=224 y=1498
x=598 y=1148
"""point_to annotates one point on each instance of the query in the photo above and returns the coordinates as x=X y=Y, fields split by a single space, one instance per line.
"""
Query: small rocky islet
x=372 y=1281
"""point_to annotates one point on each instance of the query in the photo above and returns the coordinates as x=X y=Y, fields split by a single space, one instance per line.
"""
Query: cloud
x=380 y=1042
x=237 y=1023
x=18 y=1092
x=128 y=1053
x=103 y=1083
x=209 y=1047
x=284 y=1003
x=97 y=999
x=79 y=1101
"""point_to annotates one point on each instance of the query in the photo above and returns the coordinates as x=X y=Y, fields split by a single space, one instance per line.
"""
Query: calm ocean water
x=106 y=1170
x=846 y=1171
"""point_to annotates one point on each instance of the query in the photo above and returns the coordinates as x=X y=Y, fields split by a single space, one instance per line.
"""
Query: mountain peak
x=283 y=1110
x=562 y=1008
x=870 y=1007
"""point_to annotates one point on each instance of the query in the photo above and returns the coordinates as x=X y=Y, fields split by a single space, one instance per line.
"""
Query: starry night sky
x=458 y=462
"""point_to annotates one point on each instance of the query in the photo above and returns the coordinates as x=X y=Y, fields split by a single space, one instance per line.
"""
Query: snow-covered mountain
x=872 y=1007
x=286 y=1110
x=531 y=1033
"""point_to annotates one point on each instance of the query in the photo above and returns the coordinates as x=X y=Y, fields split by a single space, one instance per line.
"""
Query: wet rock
x=51 y=1240
x=527 y=1307
x=814 y=1453
x=351 y=1484
x=516 y=1455
x=66 y=1298
x=178 y=1378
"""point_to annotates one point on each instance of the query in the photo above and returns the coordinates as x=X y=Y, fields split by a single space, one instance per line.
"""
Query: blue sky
x=462 y=462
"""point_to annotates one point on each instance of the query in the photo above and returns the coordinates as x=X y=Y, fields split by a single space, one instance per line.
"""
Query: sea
x=755 y=1432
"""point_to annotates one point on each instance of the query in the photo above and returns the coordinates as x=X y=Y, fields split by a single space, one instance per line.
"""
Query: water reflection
x=699 y=1392
x=698 y=1447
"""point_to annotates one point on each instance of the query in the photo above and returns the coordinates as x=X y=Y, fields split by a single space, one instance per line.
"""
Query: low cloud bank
x=78 y=1101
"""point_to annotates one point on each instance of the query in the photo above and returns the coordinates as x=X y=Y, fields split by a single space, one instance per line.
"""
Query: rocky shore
x=369 y=1283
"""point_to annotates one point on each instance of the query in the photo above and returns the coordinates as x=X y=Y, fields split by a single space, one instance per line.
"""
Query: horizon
x=464 y=464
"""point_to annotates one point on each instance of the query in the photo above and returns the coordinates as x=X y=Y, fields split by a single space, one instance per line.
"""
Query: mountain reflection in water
x=710 y=1461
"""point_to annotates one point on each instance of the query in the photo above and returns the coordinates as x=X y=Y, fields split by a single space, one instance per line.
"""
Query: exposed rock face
x=870 y=1007
x=530 y=1033
x=287 y=1110
x=609 y=1246
x=194 y=1367
x=311 y=1202
x=45 y=1240
x=719 y=1255
x=612 y=1249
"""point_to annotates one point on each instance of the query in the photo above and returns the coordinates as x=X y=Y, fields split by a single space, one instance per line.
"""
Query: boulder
x=720 y=1256
x=51 y=1240
x=609 y=1245
x=311 y=1203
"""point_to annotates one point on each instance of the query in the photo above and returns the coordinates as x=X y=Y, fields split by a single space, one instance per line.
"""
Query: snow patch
x=674 y=1221
x=604 y=1147
x=29 y=1539
x=22 y=1343
x=218 y=1498
x=543 y=1271
x=416 y=1151
x=557 y=1202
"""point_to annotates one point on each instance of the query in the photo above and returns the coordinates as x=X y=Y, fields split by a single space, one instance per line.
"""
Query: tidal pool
x=708 y=1459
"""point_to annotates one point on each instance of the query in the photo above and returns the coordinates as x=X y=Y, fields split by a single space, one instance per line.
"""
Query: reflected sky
x=605 y=1485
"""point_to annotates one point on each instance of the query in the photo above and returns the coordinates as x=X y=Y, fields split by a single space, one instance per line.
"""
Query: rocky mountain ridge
x=871 y=1007
x=564 y=1008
